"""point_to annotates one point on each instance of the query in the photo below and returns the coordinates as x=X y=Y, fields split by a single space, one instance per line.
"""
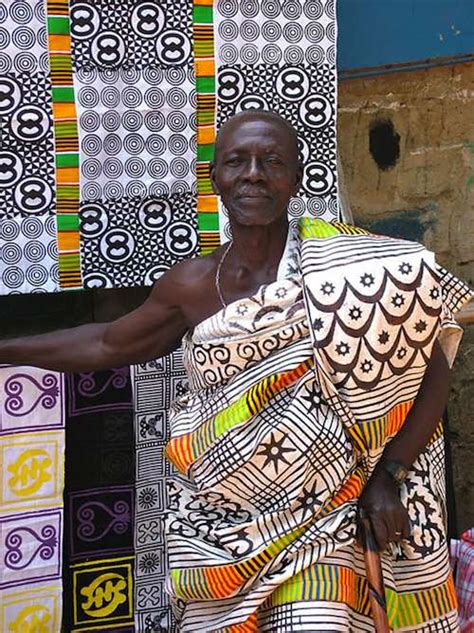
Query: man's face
x=256 y=170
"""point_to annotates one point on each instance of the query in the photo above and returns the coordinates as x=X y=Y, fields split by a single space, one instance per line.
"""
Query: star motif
x=366 y=366
x=355 y=313
x=281 y=293
x=318 y=324
x=398 y=300
x=367 y=280
x=242 y=309
x=308 y=499
x=274 y=451
x=343 y=349
x=405 y=268
x=384 y=337
x=420 y=326
x=327 y=288
x=402 y=352
x=434 y=293
x=312 y=396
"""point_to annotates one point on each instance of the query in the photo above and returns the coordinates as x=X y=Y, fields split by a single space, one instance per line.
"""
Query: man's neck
x=259 y=247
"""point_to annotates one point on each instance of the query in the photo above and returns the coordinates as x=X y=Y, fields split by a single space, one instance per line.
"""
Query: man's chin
x=254 y=213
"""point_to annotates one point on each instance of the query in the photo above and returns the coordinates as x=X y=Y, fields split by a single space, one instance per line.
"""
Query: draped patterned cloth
x=294 y=393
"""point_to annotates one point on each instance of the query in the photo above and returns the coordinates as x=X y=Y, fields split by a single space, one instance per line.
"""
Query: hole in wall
x=384 y=143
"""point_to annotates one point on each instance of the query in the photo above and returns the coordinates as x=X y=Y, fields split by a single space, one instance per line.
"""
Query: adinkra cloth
x=294 y=393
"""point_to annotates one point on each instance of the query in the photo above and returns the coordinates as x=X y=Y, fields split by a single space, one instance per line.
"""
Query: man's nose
x=255 y=171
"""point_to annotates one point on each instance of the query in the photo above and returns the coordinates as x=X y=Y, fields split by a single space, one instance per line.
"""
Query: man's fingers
x=380 y=532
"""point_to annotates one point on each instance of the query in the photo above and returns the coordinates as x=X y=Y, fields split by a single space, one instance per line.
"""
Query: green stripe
x=65 y=129
x=205 y=187
x=58 y=25
x=206 y=85
x=206 y=116
x=205 y=152
x=69 y=262
x=61 y=63
x=203 y=49
x=62 y=94
x=202 y=15
x=68 y=192
x=67 y=160
x=68 y=222
x=208 y=221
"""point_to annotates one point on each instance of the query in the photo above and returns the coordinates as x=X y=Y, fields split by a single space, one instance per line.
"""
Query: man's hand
x=380 y=502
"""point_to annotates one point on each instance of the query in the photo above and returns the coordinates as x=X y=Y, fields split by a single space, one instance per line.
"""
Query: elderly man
x=318 y=363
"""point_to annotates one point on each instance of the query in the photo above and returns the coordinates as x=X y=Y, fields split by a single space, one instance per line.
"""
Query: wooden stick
x=465 y=316
x=373 y=570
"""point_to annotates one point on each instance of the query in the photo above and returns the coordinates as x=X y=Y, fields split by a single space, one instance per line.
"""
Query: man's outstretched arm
x=150 y=331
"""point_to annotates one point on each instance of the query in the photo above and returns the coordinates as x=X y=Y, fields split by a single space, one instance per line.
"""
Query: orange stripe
x=207 y=204
x=64 y=111
x=206 y=134
x=205 y=67
x=59 y=43
x=204 y=3
x=68 y=175
x=68 y=240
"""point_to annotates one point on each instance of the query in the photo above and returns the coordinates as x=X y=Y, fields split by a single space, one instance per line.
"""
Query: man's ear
x=212 y=175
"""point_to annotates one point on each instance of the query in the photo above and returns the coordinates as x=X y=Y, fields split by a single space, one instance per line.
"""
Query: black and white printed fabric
x=281 y=56
x=134 y=78
x=28 y=252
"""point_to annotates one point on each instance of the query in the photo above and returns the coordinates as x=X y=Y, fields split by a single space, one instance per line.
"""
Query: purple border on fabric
x=43 y=578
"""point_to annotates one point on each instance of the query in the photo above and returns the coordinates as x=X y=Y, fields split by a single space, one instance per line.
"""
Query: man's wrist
x=395 y=469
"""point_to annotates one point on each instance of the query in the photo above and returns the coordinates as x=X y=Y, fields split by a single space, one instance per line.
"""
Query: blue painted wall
x=377 y=32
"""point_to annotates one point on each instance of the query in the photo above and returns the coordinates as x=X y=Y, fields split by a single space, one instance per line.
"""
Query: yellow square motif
x=33 y=610
x=32 y=471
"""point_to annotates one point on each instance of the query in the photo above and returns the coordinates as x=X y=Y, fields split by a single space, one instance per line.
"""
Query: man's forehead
x=272 y=128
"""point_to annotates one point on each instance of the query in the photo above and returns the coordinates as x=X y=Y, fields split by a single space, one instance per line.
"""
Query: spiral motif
x=229 y=54
x=133 y=144
x=113 y=168
x=157 y=168
x=135 y=189
x=90 y=121
x=227 y=8
x=135 y=167
x=9 y=230
x=154 y=121
x=132 y=120
x=13 y=277
x=5 y=63
x=21 y=12
x=112 y=144
x=34 y=251
x=10 y=253
x=47 y=398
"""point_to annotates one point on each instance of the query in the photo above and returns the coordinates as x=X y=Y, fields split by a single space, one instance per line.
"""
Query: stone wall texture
x=406 y=144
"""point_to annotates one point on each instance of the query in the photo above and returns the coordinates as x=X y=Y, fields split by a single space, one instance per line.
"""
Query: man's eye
x=232 y=161
x=274 y=160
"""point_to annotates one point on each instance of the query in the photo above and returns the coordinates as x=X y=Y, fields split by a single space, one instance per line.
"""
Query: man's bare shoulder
x=189 y=278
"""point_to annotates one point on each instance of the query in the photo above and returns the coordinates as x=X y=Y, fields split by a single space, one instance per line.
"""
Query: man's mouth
x=252 y=196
